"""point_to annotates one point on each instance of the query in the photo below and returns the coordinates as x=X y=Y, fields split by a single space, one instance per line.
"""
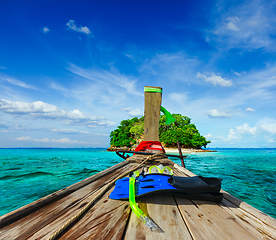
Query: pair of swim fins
x=196 y=188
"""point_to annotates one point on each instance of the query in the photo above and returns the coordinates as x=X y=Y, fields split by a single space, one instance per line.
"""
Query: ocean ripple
x=27 y=175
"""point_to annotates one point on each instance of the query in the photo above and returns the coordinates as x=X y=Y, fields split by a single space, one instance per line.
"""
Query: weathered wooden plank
x=25 y=210
x=243 y=206
x=53 y=216
x=106 y=220
x=29 y=225
x=206 y=220
x=52 y=227
x=152 y=115
x=242 y=212
x=266 y=219
x=266 y=231
x=163 y=210
x=47 y=230
x=185 y=171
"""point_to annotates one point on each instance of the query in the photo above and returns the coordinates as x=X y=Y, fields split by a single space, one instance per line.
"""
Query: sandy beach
x=186 y=150
x=168 y=150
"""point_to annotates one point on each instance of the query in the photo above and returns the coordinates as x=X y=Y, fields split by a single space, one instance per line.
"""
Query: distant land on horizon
x=106 y=148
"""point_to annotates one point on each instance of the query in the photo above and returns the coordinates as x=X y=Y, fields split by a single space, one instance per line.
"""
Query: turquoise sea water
x=29 y=174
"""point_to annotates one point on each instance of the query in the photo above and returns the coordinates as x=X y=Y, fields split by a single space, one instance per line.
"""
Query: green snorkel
x=137 y=211
x=169 y=118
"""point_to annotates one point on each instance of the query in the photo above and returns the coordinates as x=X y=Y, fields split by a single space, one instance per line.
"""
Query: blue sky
x=71 y=71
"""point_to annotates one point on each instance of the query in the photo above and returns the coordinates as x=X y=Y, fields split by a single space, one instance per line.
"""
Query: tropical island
x=130 y=133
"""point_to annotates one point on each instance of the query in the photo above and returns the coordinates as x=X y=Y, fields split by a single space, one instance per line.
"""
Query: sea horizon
x=107 y=148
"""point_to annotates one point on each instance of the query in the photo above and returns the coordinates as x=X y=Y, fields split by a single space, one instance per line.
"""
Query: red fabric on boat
x=147 y=145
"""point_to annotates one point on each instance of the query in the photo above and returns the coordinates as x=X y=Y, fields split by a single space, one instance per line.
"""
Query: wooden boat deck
x=178 y=218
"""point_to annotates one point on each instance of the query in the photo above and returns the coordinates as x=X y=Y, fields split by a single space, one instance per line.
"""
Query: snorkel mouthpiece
x=137 y=211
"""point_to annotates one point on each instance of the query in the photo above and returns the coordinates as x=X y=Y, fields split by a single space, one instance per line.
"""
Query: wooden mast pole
x=153 y=98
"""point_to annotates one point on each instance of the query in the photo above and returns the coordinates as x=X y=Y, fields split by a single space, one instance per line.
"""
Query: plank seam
x=126 y=225
x=225 y=195
x=183 y=218
x=32 y=207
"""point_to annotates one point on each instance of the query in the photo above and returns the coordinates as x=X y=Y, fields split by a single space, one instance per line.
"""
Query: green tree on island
x=130 y=132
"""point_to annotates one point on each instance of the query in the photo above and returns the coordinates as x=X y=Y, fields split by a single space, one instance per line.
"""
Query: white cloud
x=172 y=67
x=66 y=140
x=208 y=136
x=31 y=139
x=16 y=82
x=264 y=130
x=215 y=80
x=46 y=140
x=45 y=29
x=219 y=114
x=267 y=125
x=253 y=90
x=239 y=74
x=35 y=108
x=249 y=25
x=112 y=77
x=249 y=110
x=178 y=97
x=69 y=131
x=267 y=81
x=107 y=87
x=102 y=134
x=240 y=131
x=130 y=56
x=56 y=86
x=15 y=126
x=246 y=129
x=6 y=131
x=232 y=135
x=133 y=112
x=41 y=109
x=231 y=24
x=72 y=25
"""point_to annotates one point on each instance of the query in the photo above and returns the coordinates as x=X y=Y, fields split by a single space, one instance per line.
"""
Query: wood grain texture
x=237 y=203
x=163 y=210
x=246 y=216
x=51 y=217
x=266 y=219
x=207 y=220
x=28 y=209
x=152 y=115
x=107 y=220
x=253 y=223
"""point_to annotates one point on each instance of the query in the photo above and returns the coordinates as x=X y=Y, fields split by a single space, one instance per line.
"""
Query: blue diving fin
x=197 y=188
